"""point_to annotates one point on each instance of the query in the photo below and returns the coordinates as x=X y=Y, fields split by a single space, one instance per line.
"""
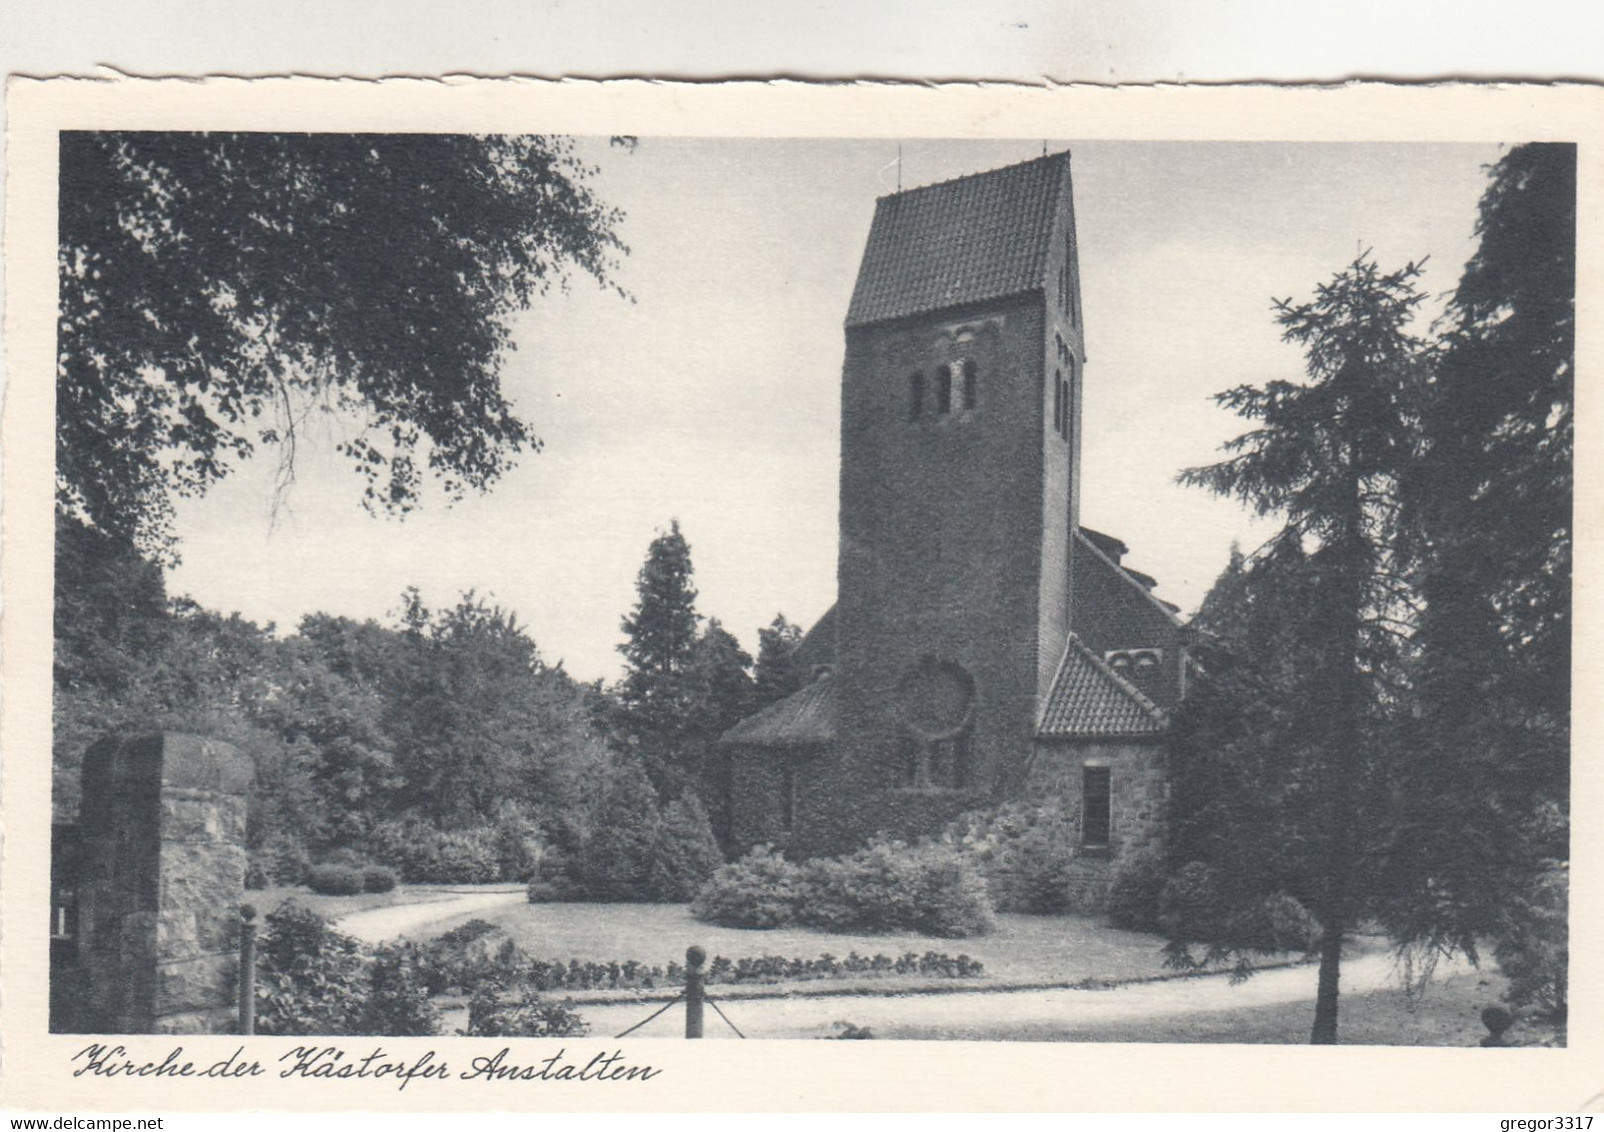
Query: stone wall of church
x=941 y=534
x=1138 y=797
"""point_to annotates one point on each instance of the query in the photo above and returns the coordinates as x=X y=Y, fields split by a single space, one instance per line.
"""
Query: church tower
x=960 y=437
x=984 y=647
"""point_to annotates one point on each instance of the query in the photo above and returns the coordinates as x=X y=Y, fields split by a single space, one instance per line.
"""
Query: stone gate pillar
x=163 y=834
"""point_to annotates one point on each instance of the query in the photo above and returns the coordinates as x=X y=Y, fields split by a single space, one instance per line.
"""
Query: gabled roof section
x=816 y=649
x=1127 y=580
x=1090 y=700
x=802 y=719
x=976 y=238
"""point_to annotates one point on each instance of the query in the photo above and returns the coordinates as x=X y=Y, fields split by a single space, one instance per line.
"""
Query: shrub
x=345 y=856
x=636 y=851
x=761 y=890
x=377 y=878
x=1133 y=896
x=527 y=1017
x=849 y=1032
x=888 y=886
x=884 y=887
x=280 y=860
x=1190 y=905
x=1023 y=849
x=334 y=880
x=425 y=854
x=397 y=1003
x=1533 y=951
x=518 y=846
x=1281 y=923
x=555 y=880
x=687 y=853
x=311 y=979
x=461 y=959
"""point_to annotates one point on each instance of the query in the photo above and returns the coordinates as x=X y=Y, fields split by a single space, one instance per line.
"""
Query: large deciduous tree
x=1327 y=454
x=217 y=288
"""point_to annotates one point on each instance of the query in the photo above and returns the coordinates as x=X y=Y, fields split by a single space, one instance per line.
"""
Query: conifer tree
x=777 y=674
x=1486 y=769
x=1327 y=455
x=658 y=696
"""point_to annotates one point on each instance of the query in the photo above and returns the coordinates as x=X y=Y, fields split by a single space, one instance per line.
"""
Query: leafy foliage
x=884 y=887
x=1533 y=946
x=1134 y=893
x=378 y=878
x=216 y=289
x=1025 y=851
x=761 y=890
x=528 y=1016
x=397 y=1002
x=335 y=880
x=777 y=673
x=639 y=851
x=311 y=979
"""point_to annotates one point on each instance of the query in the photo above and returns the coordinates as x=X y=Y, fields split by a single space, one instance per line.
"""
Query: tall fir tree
x=1486 y=768
x=658 y=697
x=1327 y=455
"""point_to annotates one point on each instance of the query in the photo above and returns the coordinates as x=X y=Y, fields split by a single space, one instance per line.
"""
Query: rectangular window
x=1095 y=799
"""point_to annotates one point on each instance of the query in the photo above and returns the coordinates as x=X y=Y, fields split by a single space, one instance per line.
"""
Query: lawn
x=1023 y=951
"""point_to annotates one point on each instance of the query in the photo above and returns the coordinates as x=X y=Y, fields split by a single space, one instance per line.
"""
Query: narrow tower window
x=1058 y=402
x=943 y=390
x=1066 y=291
x=1095 y=798
x=971 y=383
x=916 y=395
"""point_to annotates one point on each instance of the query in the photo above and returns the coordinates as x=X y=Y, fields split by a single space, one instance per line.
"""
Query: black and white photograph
x=634 y=587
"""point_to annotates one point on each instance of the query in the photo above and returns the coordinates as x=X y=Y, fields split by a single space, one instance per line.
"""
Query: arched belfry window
x=943 y=390
x=971 y=384
x=916 y=394
x=1069 y=399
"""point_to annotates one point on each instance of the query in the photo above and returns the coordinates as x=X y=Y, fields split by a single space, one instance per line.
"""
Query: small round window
x=936 y=698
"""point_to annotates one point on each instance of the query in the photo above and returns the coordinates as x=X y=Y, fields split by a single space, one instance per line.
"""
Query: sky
x=712 y=395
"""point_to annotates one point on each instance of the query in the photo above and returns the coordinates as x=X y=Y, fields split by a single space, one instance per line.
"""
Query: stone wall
x=163 y=857
x=941 y=558
x=1138 y=797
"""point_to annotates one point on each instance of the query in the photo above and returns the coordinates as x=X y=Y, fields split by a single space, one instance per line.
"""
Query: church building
x=984 y=646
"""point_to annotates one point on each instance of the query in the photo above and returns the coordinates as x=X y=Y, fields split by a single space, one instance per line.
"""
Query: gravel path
x=983 y=1015
x=379 y=924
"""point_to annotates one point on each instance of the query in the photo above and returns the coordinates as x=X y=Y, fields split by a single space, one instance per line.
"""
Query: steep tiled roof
x=817 y=647
x=1090 y=700
x=802 y=718
x=976 y=238
x=1111 y=608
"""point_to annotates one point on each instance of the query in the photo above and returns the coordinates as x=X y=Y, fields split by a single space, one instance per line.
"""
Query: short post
x=695 y=990
x=247 y=969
